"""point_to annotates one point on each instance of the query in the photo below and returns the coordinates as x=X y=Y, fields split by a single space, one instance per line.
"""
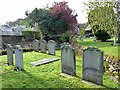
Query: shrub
x=4 y=52
x=31 y=35
x=102 y=35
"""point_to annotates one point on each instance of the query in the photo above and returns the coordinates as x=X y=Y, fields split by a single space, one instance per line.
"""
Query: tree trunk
x=114 y=40
x=118 y=38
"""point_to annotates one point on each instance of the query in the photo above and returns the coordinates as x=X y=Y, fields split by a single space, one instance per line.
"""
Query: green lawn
x=46 y=76
x=104 y=46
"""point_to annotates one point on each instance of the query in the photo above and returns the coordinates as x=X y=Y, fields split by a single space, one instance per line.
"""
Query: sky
x=11 y=10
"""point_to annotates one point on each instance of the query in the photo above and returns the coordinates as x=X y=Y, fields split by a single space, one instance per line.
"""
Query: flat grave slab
x=43 y=61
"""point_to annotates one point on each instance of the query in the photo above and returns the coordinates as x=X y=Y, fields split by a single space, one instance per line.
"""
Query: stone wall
x=14 y=40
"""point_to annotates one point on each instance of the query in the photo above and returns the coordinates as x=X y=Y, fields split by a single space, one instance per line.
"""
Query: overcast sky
x=10 y=10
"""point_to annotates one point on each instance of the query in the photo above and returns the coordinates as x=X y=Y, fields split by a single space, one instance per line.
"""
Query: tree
x=54 y=20
x=103 y=15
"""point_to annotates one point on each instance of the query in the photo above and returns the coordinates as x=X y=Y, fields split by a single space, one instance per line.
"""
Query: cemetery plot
x=44 y=61
x=93 y=65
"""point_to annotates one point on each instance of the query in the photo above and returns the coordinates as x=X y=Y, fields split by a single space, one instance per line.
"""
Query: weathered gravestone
x=43 y=46
x=68 y=59
x=36 y=45
x=9 y=54
x=93 y=65
x=43 y=61
x=19 y=57
x=51 y=47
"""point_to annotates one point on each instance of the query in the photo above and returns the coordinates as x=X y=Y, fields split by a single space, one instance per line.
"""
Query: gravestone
x=43 y=61
x=51 y=47
x=68 y=59
x=9 y=54
x=36 y=45
x=19 y=57
x=93 y=65
x=43 y=46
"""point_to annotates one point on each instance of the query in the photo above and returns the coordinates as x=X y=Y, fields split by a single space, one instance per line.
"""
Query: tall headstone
x=93 y=65
x=68 y=59
x=19 y=57
x=9 y=54
x=36 y=45
x=43 y=46
x=51 y=47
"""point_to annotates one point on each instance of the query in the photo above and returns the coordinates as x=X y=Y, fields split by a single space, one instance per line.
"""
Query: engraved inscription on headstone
x=43 y=46
x=19 y=57
x=9 y=54
x=51 y=47
x=36 y=45
x=93 y=65
x=68 y=59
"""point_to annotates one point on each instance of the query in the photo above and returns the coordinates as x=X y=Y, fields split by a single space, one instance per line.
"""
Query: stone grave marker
x=92 y=65
x=43 y=61
x=51 y=47
x=68 y=59
x=9 y=54
x=36 y=45
x=43 y=46
x=19 y=57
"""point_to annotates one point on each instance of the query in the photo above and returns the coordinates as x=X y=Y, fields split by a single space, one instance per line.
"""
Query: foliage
x=54 y=20
x=25 y=22
x=82 y=28
x=4 y=52
x=31 y=35
x=103 y=15
x=64 y=13
x=102 y=35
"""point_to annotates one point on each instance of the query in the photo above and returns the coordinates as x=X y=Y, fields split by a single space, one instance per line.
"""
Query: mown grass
x=46 y=76
x=104 y=46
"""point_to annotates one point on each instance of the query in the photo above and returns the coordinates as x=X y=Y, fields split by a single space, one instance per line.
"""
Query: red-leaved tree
x=66 y=14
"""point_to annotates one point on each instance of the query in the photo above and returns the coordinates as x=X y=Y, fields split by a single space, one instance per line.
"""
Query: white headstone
x=43 y=46
x=19 y=57
x=68 y=59
x=93 y=65
x=9 y=54
x=51 y=47
x=36 y=45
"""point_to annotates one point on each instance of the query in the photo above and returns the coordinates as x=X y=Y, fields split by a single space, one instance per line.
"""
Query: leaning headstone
x=68 y=59
x=43 y=46
x=51 y=47
x=93 y=65
x=19 y=57
x=36 y=45
x=9 y=54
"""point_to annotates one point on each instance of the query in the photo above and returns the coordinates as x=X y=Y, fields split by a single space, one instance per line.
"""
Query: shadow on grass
x=110 y=88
